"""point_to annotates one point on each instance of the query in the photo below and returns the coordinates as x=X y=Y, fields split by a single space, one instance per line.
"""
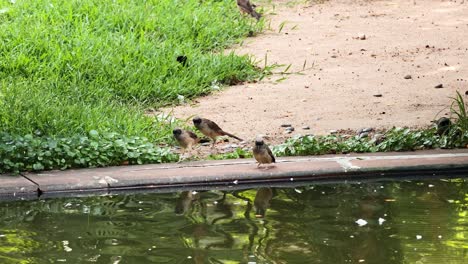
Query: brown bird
x=443 y=125
x=262 y=201
x=245 y=6
x=185 y=201
x=262 y=152
x=185 y=138
x=211 y=129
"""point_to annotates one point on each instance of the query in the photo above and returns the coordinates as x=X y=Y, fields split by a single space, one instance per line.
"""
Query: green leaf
x=93 y=134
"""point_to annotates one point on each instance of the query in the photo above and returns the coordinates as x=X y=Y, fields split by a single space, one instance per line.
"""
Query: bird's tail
x=256 y=15
x=231 y=135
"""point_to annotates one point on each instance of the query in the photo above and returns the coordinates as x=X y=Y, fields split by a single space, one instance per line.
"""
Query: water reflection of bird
x=186 y=198
x=262 y=201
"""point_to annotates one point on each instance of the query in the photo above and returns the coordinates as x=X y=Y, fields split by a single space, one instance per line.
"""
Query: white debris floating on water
x=361 y=222
x=65 y=246
x=418 y=236
x=381 y=220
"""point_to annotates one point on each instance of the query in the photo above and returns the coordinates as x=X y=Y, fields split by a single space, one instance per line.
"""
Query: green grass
x=70 y=67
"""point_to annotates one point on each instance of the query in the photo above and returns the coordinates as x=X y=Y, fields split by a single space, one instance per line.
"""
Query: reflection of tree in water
x=433 y=221
x=318 y=224
x=315 y=224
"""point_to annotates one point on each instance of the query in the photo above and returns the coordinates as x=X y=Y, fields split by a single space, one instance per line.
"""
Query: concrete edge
x=240 y=174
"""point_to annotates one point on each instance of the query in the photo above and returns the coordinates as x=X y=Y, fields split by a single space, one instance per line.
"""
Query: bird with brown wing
x=262 y=201
x=185 y=138
x=211 y=129
x=246 y=7
x=262 y=153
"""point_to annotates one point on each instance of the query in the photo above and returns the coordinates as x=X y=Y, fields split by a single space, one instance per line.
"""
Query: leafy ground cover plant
x=32 y=153
x=395 y=139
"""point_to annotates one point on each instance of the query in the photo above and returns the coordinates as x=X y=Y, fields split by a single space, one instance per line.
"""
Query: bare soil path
x=349 y=83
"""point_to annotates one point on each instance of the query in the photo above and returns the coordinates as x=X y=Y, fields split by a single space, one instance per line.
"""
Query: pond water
x=418 y=221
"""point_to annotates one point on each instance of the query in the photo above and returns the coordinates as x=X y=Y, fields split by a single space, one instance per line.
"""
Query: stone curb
x=237 y=173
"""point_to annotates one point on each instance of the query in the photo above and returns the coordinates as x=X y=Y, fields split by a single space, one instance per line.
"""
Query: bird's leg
x=258 y=165
x=189 y=147
x=214 y=142
x=181 y=156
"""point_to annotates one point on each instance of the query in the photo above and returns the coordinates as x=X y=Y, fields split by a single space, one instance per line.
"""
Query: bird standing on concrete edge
x=262 y=152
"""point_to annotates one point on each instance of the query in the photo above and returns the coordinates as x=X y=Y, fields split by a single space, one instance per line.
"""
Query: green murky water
x=379 y=222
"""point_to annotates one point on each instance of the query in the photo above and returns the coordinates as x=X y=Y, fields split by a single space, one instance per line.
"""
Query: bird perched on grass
x=262 y=152
x=211 y=129
x=246 y=7
x=182 y=59
x=185 y=138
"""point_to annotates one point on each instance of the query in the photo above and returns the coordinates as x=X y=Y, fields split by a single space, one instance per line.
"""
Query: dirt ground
x=348 y=82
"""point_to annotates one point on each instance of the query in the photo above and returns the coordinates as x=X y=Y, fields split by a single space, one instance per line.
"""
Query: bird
x=245 y=6
x=211 y=129
x=262 y=152
x=262 y=201
x=443 y=125
x=185 y=138
x=185 y=201
x=182 y=59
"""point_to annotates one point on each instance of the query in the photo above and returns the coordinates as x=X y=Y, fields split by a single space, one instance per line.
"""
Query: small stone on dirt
x=439 y=86
x=333 y=131
x=407 y=77
x=306 y=127
x=377 y=95
x=364 y=130
x=290 y=129
x=364 y=134
x=362 y=36
x=285 y=125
